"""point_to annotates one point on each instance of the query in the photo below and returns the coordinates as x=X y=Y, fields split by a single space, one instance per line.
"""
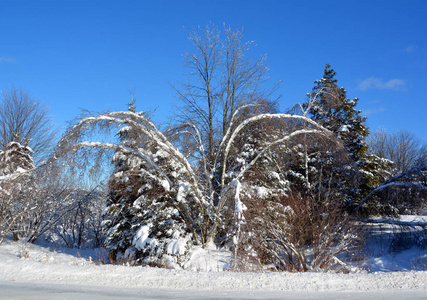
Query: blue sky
x=85 y=54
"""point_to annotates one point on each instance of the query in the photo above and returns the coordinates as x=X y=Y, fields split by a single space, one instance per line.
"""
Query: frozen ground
x=37 y=272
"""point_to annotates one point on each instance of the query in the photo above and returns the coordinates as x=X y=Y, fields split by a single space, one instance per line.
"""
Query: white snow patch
x=261 y=191
x=177 y=245
x=209 y=259
x=344 y=128
x=141 y=237
x=182 y=192
x=165 y=184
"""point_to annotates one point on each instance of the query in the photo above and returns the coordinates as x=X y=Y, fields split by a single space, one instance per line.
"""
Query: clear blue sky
x=73 y=54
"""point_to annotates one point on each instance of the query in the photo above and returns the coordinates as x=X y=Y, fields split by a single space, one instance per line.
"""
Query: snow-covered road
x=13 y=290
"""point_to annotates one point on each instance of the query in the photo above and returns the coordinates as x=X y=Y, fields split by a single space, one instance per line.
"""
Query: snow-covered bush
x=16 y=187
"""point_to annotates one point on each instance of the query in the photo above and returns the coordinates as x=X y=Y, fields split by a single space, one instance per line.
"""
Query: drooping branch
x=395 y=181
x=257 y=119
x=110 y=146
x=225 y=188
x=277 y=142
x=144 y=126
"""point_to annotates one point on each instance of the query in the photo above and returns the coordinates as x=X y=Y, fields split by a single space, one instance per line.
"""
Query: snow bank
x=34 y=264
x=208 y=259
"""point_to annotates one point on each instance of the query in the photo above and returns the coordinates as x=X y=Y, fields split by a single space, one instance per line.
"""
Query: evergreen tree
x=15 y=158
x=330 y=107
x=144 y=224
x=16 y=190
x=334 y=111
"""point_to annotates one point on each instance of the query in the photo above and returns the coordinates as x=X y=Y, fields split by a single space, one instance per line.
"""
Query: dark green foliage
x=333 y=110
x=144 y=223
x=349 y=171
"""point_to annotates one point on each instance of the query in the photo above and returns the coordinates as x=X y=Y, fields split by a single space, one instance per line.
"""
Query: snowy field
x=29 y=271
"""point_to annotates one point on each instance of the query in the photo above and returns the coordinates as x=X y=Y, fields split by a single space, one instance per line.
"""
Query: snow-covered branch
x=259 y=118
x=403 y=180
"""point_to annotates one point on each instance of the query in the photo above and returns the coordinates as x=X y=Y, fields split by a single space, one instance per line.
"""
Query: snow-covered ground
x=397 y=245
x=42 y=272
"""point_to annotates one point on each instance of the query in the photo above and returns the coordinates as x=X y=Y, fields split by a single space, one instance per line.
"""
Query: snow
x=262 y=192
x=165 y=184
x=177 y=245
x=182 y=192
x=25 y=267
x=411 y=259
x=239 y=207
x=412 y=218
x=344 y=128
x=209 y=259
x=396 y=245
x=141 y=237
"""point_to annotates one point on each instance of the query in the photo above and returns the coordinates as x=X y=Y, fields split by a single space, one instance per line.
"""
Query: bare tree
x=199 y=104
x=25 y=120
x=402 y=147
x=222 y=78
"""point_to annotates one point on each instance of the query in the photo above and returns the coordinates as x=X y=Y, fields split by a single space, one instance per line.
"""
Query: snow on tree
x=190 y=184
x=405 y=193
x=144 y=223
x=15 y=187
x=336 y=112
x=167 y=206
x=15 y=159
x=274 y=225
x=25 y=120
x=353 y=177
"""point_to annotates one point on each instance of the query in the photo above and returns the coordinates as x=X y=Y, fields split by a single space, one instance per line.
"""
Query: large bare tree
x=222 y=77
x=25 y=120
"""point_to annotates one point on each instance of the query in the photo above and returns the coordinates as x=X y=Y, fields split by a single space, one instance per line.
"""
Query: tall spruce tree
x=330 y=107
x=334 y=111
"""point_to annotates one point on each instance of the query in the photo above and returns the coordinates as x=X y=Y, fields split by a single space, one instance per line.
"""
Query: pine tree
x=330 y=107
x=334 y=111
x=15 y=158
x=144 y=225
x=16 y=189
